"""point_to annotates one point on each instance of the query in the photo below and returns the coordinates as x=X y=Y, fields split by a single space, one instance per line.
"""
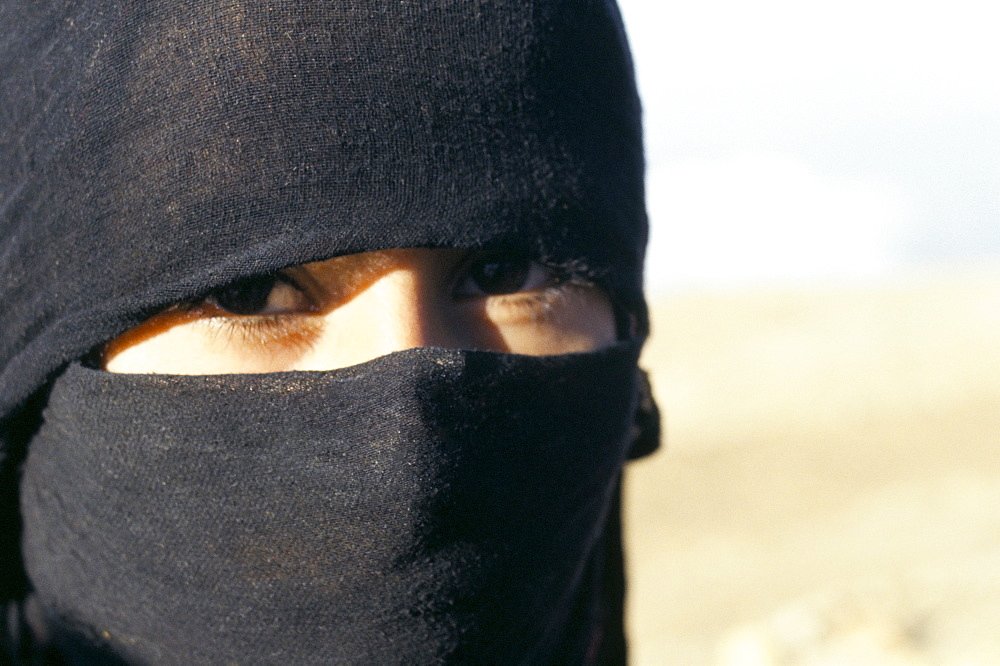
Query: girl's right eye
x=273 y=294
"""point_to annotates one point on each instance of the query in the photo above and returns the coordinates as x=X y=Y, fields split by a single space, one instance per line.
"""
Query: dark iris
x=500 y=275
x=246 y=297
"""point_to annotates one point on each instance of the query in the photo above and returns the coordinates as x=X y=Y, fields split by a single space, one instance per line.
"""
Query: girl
x=320 y=330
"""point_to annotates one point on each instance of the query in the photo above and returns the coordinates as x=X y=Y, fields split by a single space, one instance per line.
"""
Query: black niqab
x=424 y=507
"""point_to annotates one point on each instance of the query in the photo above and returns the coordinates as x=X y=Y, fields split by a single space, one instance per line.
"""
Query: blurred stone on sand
x=830 y=488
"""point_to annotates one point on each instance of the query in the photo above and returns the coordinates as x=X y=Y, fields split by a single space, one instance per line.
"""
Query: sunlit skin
x=348 y=310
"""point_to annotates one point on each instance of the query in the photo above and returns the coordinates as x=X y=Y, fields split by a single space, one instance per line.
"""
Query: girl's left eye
x=263 y=295
x=496 y=276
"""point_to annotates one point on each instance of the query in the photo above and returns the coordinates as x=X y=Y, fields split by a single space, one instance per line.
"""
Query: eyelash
x=538 y=304
x=290 y=331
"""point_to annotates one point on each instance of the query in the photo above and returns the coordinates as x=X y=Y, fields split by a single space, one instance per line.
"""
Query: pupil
x=501 y=276
x=246 y=297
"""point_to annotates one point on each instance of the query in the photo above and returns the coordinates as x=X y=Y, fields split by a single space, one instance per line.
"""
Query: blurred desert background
x=829 y=490
x=823 y=187
x=824 y=273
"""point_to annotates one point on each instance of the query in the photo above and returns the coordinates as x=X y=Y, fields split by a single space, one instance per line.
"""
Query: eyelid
x=461 y=274
x=303 y=280
x=266 y=332
x=209 y=305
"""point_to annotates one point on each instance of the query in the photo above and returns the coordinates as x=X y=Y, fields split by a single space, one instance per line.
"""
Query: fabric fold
x=429 y=506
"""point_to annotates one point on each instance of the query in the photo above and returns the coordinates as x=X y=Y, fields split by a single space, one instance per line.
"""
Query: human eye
x=510 y=289
x=535 y=306
x=261 y=312
x=265 y=295
x=501 y=275
x=256 y=324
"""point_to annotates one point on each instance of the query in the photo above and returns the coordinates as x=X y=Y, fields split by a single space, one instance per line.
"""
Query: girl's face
x=350 y=309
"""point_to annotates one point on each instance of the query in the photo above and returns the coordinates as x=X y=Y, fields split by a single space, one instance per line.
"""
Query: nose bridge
x=401 y=309
x=413 y=314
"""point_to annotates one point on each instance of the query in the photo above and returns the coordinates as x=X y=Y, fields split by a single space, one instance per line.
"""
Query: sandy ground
x=830 y=490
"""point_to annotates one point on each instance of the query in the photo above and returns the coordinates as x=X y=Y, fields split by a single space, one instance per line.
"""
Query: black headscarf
x=426 y=506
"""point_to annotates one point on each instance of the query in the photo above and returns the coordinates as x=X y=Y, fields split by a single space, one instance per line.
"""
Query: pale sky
x=790 y=140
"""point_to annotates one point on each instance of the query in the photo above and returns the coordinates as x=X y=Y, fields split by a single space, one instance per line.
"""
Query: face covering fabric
x=430 y=506
x=154 y=150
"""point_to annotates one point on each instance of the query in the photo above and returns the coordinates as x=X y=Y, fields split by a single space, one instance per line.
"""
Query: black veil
x=153 y=150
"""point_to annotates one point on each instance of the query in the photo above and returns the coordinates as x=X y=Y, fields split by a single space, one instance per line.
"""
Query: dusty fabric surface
x=428 y=506
x=154 y=150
